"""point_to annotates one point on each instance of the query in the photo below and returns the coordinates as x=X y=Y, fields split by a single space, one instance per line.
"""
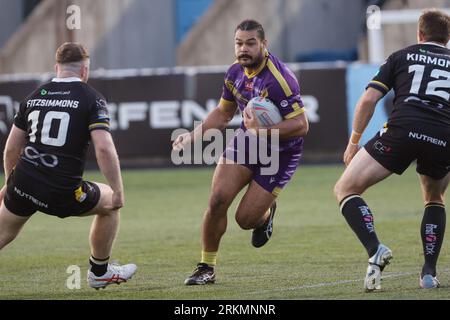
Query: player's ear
x=84 y=72
x=420 y=36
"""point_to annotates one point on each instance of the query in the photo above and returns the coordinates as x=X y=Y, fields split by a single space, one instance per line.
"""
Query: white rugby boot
x=429 y=282
x=376 y=265
x=114 y=274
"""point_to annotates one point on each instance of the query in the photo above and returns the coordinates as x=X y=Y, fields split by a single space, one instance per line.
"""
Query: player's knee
x=343 y=189
x=218 y=203
x=106 y=209
x=434 y=198
x=245 y=221
x=7 y=237
x=338 y=191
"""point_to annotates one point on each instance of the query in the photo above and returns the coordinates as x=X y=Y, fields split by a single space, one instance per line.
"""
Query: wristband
x=355 y=137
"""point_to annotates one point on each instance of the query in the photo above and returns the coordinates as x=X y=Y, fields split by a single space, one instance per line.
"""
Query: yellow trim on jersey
x=227 y=103
x=295 y=113
x=380 y=84
x=224 y=105
x=276 y=191
x=229 y=84
x=98 y=125
x=260 y=68
x=281 y=80
x=264 y=93
x=296 y=106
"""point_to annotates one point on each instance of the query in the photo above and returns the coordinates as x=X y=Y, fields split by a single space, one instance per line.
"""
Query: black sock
x=98 y=266
x=360 y=219
x=432 y=232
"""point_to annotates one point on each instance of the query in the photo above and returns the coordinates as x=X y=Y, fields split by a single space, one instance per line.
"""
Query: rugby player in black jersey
x=418 y=129
x=44 y=160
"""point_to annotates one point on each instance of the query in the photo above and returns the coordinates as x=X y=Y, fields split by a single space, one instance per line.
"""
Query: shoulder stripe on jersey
x=381 y=84
x=295 y=113
x=281 y=80
x=229 y=84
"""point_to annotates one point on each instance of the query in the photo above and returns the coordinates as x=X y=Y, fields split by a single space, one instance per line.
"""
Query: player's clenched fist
x=181 y=141
x=350 y=152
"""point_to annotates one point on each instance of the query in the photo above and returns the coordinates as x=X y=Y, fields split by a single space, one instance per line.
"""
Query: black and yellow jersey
x=420 y=78
x=58 y=118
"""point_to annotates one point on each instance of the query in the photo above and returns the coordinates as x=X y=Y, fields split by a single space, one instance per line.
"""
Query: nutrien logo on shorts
x=30 y=197
x=425 y=138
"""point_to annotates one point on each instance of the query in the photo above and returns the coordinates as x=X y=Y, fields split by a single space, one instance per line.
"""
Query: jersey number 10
x=60 y=138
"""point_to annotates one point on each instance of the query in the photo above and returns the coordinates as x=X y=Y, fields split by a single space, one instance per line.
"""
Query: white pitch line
x=332 y=284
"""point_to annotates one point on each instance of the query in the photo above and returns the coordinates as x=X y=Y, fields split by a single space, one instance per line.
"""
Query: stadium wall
x=147 y=105
x=103 y=25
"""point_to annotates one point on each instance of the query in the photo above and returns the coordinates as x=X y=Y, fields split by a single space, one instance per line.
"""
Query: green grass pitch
x=312 y=255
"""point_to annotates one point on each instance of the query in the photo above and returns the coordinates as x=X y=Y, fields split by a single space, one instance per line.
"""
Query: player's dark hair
x=71 y=52
x=435 y=25
x=250 y=25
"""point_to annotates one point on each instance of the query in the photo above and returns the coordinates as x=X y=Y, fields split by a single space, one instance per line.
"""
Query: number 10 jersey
x=58 y=118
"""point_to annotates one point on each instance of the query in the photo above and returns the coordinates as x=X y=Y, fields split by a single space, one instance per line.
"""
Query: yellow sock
x=209 y=258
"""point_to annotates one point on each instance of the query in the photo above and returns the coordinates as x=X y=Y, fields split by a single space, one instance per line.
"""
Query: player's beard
x=254 y=63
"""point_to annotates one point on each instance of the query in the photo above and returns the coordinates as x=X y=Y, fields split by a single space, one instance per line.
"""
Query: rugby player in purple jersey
x=256 y=72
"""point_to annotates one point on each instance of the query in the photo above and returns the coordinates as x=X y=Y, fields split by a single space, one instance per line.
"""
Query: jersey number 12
x=419 y=70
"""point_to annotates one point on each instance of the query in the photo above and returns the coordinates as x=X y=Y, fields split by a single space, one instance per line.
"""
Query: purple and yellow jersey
x=272 y=80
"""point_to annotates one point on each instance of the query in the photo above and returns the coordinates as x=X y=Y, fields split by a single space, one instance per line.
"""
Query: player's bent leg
x=228 y=180
x=432 y=228
x=103 y=232
x=434 y=190
x=105 y=224
x=253 y=208
x=10 y=225
x=256 y=211
x=363 y=172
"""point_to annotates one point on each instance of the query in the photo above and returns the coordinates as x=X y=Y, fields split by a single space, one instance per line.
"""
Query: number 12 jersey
x=420 y=77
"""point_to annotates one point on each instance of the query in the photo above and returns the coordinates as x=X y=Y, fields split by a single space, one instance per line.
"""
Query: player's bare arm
x=13 y=148
x=297 y=126
x=363 y=113
x=108 y=163
x=216 y=119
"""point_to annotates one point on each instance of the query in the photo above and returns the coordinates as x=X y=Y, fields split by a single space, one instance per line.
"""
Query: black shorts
x=24 y=197
x=398 y=145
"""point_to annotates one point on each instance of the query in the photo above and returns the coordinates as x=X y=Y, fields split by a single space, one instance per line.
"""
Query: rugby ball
x=266 y=111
